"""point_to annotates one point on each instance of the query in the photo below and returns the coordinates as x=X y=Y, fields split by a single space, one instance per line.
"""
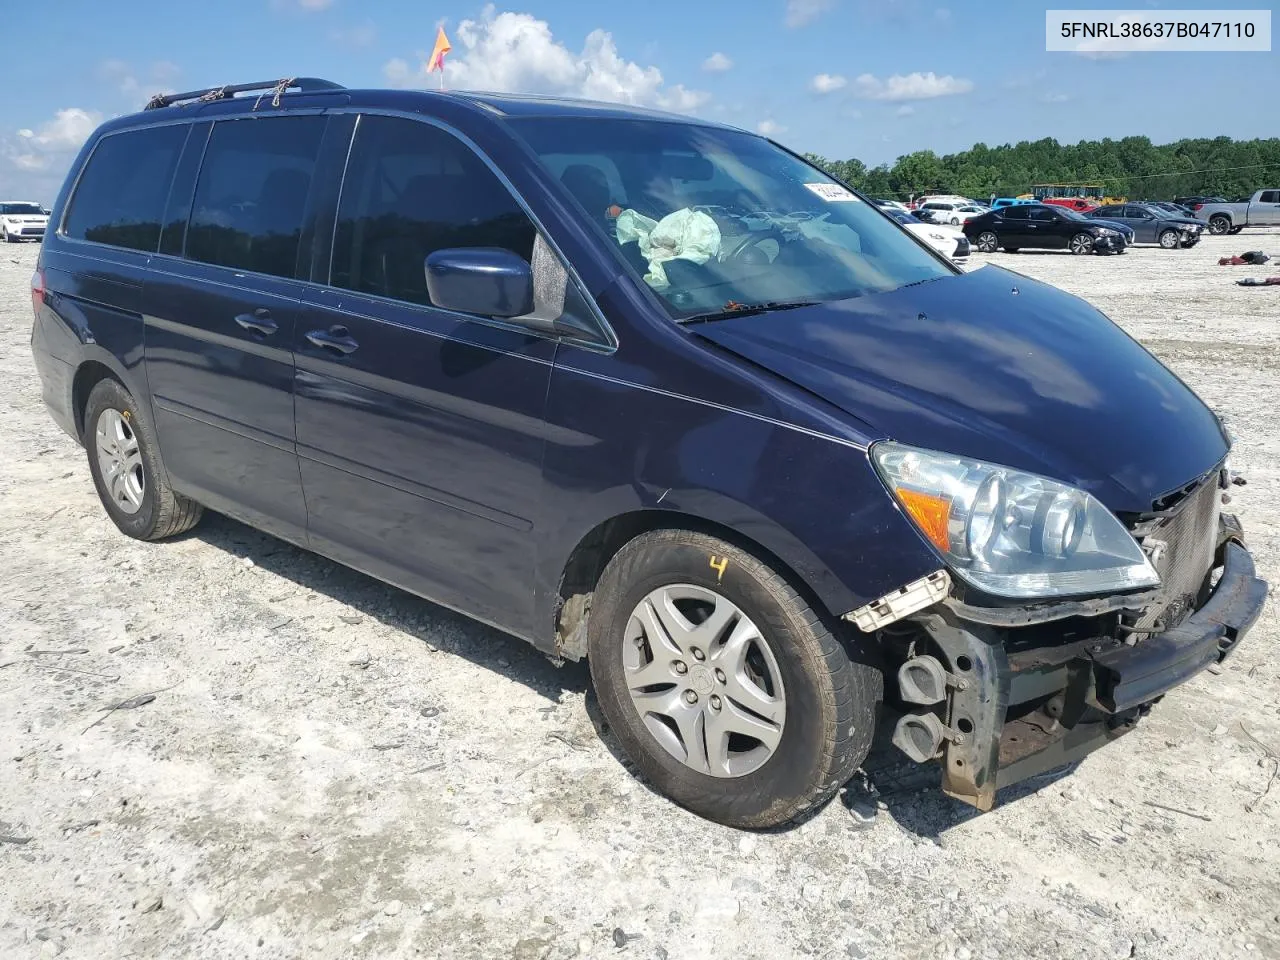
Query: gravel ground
x=333 y=768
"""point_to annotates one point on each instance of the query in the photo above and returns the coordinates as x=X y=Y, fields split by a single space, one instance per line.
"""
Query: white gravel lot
x=337 y=769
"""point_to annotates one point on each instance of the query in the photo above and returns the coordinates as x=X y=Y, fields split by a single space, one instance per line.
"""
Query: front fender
x=812 y=500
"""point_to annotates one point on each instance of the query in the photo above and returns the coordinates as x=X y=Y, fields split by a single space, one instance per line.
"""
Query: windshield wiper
x=735 y=309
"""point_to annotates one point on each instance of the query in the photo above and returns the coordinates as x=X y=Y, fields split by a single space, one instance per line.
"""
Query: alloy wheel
x=1169 y=239
x=1081 y=243
x=120 y=460
x=704 y=680
x=988 y=242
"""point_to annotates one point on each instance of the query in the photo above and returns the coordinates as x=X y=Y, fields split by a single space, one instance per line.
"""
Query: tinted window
x=1043 y=214
x=1270 y=196
x=412 y=189
x=120 y=197
x=1016 y=212
x=252 y=193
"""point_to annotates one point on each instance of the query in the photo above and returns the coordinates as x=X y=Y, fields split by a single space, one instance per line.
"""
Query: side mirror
x=488 y=281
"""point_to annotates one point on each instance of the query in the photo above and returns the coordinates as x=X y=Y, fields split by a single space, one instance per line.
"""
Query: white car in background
x=954 y=212
x=22 y=220
x=891 y=205
x=947 y=240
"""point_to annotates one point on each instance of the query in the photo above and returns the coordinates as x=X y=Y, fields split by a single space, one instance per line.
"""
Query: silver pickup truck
x=1261 y=210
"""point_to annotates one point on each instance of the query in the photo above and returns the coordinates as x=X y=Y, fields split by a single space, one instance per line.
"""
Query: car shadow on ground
x=887 y=785
x=434 y=626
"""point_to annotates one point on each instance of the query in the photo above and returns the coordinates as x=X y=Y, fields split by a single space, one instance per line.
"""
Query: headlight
x=1011 y=533
x=1108 y=232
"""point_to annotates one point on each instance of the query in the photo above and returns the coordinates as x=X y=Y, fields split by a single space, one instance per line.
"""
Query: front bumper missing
x=1024 y=711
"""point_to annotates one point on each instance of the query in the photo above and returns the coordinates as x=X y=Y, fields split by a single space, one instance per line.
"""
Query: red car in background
x=1079 y=204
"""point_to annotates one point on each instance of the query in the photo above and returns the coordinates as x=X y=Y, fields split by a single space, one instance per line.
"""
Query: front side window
x=1016 y=212
x=1270 y=196
x=121 y=194
x=412 y=189
x=1043 y=215
x=714 y=219
x=252 y=193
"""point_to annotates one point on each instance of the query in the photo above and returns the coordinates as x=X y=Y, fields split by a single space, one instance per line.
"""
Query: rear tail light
x=1197 y=207
x=37 y=290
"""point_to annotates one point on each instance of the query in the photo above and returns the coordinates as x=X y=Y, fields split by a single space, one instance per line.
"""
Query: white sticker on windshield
x=832 y=192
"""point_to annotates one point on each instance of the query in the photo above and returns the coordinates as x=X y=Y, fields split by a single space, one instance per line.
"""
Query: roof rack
x=302 y=84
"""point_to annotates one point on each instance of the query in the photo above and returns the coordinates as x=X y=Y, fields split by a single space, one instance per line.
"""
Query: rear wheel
x=1169 y=239
x=955 y=221
x=124 y=460
x=1219 y=224
x=988 y=241
x=1081 y=243
x=728 y=690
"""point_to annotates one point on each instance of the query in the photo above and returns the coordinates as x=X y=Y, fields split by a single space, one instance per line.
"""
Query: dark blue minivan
x=653 y=392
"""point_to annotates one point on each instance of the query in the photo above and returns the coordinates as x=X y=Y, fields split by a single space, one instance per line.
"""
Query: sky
x=872 y=79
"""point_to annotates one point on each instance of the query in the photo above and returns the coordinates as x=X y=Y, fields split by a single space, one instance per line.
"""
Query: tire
x=140 y=502
x=955 y=221
x=1219 y=224
x=1081 y=244
x=8 y=237
x=987 y=241
x=830 y=702
x=1168 y=239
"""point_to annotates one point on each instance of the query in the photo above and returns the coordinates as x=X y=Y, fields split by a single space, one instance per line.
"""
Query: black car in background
x=1042 y=227
x=1154 y=224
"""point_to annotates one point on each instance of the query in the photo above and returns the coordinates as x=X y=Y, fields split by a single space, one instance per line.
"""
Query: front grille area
x=1182 y=545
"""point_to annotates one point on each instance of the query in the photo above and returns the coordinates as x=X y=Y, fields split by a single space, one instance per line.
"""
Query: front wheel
x=730 y=693
x=1081 y=243
x=124 y=460
x=988 y=242
x=1169 y=239
x=8 y=237
x=1219 y=224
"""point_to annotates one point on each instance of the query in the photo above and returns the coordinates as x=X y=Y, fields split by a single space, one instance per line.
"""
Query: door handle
x=259 y=321
x=336 y=338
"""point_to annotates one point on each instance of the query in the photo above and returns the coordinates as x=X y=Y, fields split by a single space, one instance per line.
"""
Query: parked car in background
x=947 y=240
x=1175 y=208
x=948 y=211
x=891 y=204
x=1152 y=224
x=22 y=220
x=1190 y=202
x=1008 y=202
x=1078 y=204
x=1260 y=210
x=1041 y=227
x=426 y=335
x=939 y=198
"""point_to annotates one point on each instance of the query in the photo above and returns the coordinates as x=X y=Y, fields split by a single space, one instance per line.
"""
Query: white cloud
x=356 y=36
x=1055 y=98
x=912 y=86
x=51 y=144
x=313 y=5
x=717 y=63
x=800 y=12
x=827 y=82
x=135 y=84
x=769 y=128
x=905 y=110
x=516 y=53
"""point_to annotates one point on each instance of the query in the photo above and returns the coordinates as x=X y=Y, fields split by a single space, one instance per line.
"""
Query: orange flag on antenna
x=442 y=47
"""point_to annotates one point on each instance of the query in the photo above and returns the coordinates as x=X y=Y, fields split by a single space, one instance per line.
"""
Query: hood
x=1184 y=221
x=1113 y=224
x=995 y=366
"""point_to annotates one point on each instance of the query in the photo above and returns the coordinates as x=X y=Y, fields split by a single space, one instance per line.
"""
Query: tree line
x=1132 y=167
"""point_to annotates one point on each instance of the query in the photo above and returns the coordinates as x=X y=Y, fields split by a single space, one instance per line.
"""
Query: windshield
x=21 y=210
x=715 y=220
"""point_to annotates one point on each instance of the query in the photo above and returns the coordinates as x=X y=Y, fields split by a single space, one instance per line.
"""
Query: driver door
x=420 y=431
x=1046 y=229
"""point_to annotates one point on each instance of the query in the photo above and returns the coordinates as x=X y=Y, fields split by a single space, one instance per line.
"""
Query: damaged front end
x=999 y=692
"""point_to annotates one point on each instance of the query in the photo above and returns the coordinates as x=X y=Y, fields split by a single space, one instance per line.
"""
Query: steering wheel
x=741 y=245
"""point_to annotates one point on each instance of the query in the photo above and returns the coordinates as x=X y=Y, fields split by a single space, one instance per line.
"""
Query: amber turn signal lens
x=930 y=514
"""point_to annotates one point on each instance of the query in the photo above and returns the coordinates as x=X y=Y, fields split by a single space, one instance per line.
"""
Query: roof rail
x=302 y=84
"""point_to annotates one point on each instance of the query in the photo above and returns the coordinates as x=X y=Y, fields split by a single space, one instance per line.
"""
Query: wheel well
x=87 y=377
x=594 y=551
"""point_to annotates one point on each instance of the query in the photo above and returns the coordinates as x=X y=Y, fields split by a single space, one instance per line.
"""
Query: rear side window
x=121 y=194
x=252 y=193
x=412 y=189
